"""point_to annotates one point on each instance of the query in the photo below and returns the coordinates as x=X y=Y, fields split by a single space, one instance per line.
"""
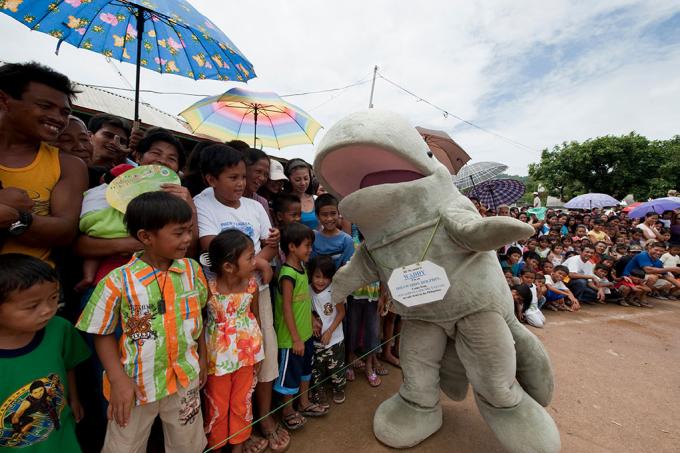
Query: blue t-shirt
x=340 y=247
x=640 y=261
x=309 y=218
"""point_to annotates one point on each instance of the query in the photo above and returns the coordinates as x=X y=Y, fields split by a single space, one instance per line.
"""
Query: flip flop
x=359 y=364
x=380 y=370
x=294 y=421
x=313 y=410
x=275 y=438
x=391 y=360
x=255 y=444
x=373 y=379
x=349 y=375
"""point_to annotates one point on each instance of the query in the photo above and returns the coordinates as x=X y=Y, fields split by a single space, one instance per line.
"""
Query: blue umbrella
x=497 y=192
x=175 y=37
x=659 y=206
x=591 y=200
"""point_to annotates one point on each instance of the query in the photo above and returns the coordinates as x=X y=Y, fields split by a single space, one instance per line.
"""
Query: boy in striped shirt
x=157 y=366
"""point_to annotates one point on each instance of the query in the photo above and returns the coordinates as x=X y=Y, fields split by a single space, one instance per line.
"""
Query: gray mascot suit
x=406 y=206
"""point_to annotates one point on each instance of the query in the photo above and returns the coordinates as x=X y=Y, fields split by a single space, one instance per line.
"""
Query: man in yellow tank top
x=41 y=186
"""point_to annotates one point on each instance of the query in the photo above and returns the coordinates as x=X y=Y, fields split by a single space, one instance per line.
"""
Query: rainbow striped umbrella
x=241 y=114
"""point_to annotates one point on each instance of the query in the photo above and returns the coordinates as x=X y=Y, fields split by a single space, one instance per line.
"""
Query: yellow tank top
x=38 y=179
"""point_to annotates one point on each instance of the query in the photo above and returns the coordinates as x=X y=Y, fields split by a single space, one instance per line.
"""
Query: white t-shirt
x=559 y=285
x=324 y=307
x=577 y=266
x=669 y=260
x=215 y=217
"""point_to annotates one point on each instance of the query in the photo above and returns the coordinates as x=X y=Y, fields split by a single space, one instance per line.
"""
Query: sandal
x=380 y=370
x=294 y=421
x=255 y=444
x=349 y=374
x=313 y=410
x=277 y=442
x=373 y=379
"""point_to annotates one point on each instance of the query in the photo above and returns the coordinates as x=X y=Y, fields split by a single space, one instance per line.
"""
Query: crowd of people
x=587 y=257
x=205 y=308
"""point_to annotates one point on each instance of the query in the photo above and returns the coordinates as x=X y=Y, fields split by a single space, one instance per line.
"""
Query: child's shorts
x=182 y=424
x=294 y=369
x=552 y=296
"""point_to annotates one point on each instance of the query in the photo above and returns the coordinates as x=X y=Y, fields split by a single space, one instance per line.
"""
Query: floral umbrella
x=247 y=115
x=175 y=37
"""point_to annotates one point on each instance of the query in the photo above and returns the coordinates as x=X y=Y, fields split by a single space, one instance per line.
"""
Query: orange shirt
x=38 y=179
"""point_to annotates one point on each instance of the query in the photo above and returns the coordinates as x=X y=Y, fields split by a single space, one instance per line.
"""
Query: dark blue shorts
x=294 y=369
x=551 y=296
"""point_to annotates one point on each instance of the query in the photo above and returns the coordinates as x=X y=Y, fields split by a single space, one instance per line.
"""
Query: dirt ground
x=617 y=374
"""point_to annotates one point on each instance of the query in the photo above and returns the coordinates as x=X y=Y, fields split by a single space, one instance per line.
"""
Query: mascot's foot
x=524 y=428
x=400 y=424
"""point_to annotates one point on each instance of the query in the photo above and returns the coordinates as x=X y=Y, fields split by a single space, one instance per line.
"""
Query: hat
x=276 y=171
x=635 y=248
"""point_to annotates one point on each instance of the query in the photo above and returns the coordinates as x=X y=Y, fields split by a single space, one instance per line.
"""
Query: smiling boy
x=331 y=240
x=42 y=185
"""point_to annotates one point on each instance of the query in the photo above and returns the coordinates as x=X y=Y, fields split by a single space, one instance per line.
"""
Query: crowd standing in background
x=207 y=305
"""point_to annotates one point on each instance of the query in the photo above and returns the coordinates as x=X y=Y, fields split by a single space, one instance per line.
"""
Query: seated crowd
x=200 y=311
x=590 y=257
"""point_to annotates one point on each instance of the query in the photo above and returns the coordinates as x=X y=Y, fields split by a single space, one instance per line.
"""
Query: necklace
x=161 y=302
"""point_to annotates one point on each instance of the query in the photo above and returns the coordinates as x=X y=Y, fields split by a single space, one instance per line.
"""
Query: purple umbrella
x=496 y=192
x=591 y=200
x=659 y=206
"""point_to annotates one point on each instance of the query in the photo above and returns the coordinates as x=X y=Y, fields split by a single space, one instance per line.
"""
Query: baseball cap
x=635 y=248
x=276 y=171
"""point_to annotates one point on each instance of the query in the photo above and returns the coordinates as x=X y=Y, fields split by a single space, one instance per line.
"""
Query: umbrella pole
x=255 y=132
x=140 y=33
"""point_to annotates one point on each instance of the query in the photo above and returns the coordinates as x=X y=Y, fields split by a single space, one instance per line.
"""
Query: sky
x=531 y=74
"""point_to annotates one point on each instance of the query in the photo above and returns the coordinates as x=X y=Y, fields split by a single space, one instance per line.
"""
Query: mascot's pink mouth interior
x=351 y=168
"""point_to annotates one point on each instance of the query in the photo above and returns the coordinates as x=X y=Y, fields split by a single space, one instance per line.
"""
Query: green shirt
x=302 y=307
x=34 y=391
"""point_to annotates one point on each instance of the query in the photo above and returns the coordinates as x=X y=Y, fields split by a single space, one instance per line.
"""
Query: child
x=541 y=289
x=532 y=314
x=293 y=322
x=634 y=290
x=558 y=294
x=603 y=282
x=555 y=255
x=155 y=368
x=233 y=341
x=672 y=258
x=286 y=208
x=513 y=260
x=520 y=294
x=568 y=244
x=38 y=354
x=543 y=248
x=331 y=240
x=329 y=347
x=531 y=260
x=546 y=268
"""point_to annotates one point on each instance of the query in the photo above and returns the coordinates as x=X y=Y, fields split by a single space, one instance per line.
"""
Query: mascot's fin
x=481 y=234
x=360 y=271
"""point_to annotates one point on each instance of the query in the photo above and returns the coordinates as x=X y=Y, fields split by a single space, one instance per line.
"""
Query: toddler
x=233 y=341
x=329 y=346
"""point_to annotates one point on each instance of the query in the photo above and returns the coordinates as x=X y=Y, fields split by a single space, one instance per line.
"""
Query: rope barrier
x=342 y=370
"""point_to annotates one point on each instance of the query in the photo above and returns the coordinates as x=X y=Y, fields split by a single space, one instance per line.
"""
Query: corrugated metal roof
x=92 y=99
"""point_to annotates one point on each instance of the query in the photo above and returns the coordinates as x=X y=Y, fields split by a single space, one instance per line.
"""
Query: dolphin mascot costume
x=430 y=246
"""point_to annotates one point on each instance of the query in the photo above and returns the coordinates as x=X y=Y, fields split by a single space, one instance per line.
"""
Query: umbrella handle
x=140 y=36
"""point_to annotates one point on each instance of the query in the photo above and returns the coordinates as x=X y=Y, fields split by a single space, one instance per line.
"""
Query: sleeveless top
x=233 y=337
x=38 y=179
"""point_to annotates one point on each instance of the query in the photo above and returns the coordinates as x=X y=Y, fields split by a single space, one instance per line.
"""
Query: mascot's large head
x=375 y=160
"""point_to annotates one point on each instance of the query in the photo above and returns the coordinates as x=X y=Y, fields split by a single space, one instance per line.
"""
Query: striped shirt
x=157 y=350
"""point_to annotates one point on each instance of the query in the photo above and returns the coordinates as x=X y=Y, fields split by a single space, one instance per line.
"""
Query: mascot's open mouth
x=350 y=168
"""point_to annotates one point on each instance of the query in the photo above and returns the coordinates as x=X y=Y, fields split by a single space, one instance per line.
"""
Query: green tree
x=613 y=165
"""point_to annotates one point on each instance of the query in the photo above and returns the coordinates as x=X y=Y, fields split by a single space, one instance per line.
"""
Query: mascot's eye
x=429 y=153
